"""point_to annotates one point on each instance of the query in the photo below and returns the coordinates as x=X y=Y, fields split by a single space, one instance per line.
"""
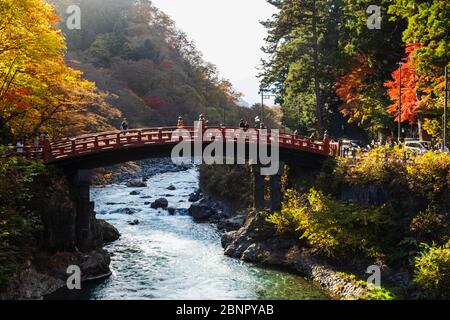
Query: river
x=172 y=257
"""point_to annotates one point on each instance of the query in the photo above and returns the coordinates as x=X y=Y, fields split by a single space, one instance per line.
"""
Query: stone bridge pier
x=87 y=236
x=260 y=186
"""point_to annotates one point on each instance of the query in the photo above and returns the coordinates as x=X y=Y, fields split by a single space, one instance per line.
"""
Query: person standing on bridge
x=180 y=123
x=257 y=122
x=242 y=124
x=124 y=125
x=246 y=126
x=19 y=146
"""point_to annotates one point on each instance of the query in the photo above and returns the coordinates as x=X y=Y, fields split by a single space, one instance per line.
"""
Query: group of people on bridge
x=40 y=140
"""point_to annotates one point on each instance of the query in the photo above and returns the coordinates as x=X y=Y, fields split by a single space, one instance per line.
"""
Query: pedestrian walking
x=124 y=125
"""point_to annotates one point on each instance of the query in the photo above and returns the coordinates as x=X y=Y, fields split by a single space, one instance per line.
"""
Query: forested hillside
x=151 y=70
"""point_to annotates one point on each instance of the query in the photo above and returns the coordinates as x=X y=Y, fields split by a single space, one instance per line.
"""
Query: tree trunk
x=419 y=127
x=315 y=46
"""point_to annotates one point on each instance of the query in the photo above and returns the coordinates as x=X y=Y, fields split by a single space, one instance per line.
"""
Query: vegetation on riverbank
x=230 y=182
x=19 y=222
x=408 y=228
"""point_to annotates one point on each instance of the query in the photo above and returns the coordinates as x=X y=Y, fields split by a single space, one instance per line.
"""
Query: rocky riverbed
x=46 y=272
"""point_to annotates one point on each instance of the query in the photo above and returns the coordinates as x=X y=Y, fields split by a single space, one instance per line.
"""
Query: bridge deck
x=77 y=147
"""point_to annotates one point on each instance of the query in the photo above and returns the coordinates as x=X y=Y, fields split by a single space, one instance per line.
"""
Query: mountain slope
x=151 y=70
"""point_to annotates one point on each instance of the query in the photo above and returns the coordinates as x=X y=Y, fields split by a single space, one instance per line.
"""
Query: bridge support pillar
x=275 y=190
x=258 y=188
x=85 y=220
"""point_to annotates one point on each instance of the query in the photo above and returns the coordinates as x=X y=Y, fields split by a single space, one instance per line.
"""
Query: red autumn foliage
x=18 y=97
x=154 y=102
x=410 y=80
x=351 y=88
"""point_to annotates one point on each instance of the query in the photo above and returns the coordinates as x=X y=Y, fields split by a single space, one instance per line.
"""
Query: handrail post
x=160 y=135
x=46 y=151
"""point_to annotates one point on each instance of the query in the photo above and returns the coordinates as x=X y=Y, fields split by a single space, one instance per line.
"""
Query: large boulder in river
x=160 y=203
x=201 y=211
x=108 y=231
x=136 y=183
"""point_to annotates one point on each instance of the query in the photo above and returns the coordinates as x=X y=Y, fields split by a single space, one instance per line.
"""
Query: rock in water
x=108 y=231
x=160 y=203
x=194 y=197
x=133 y=223
x=96 y=265
x=136 y=183
x=134 y=193
x=171 y=210
x=125 y=211
x=171 y=187
x=201 y=211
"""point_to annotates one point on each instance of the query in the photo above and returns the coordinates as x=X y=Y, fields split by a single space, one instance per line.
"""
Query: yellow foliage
x=331 y=226
x=38 y=91
x=379 y=165
x=429 y=173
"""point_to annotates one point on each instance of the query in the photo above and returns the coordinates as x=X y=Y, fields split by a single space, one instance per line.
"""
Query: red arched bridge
x=77 y=157
x=107 y=148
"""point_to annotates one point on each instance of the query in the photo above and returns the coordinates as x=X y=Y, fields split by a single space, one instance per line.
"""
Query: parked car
x=351 y=147
x=416 y=146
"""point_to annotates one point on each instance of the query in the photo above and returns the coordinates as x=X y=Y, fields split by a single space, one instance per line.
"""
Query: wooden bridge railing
x=95 y=143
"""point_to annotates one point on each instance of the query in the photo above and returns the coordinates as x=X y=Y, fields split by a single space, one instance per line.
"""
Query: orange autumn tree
x=409 y=86
x=38 y=91
x=360 y=91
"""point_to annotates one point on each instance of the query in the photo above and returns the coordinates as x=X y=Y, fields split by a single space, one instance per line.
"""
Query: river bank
x=247 y=236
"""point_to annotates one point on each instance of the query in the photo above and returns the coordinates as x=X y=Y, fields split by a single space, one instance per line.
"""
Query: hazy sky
x=228 y=33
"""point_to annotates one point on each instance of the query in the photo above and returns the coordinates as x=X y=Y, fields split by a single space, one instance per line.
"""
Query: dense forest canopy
x=38 y=91
x=328 y=68
x=325 y=58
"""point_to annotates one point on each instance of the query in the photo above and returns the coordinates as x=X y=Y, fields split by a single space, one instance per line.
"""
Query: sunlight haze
x=229 y=35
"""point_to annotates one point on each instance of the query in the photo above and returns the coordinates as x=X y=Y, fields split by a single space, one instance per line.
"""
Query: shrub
x=331 y=175
x=333 y=227
x=231 y=182
x=432 y=270
x=18 y=224
x=429 y=174
x=379 y=166
x=429 y=225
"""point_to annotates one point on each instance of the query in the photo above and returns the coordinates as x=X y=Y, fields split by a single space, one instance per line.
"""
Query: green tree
x=303 y=46
x=370 y=56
